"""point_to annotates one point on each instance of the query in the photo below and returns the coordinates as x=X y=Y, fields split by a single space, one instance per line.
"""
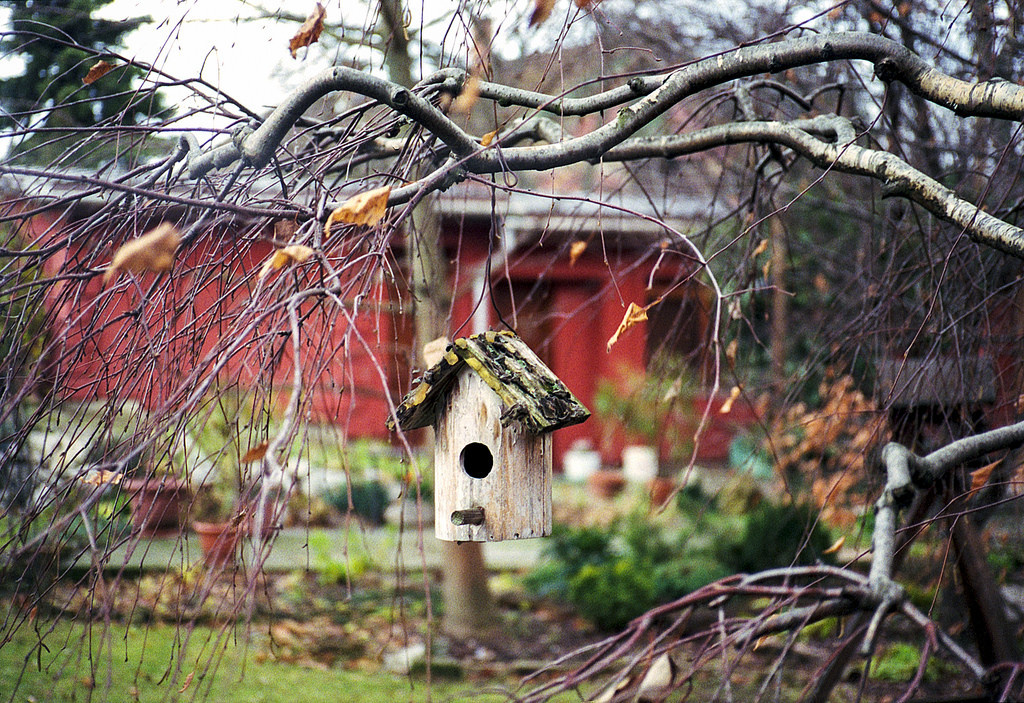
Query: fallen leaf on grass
x=153 y=251
x=361 y=209
x=285 y=256
x=188 y=682
x=255 y=453
x=309 y=32
x=634 y=316
x=98 y=70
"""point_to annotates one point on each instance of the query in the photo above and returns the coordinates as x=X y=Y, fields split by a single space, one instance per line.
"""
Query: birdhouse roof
x=529 y=390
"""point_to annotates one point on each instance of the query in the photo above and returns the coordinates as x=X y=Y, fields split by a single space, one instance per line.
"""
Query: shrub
x=777 y=535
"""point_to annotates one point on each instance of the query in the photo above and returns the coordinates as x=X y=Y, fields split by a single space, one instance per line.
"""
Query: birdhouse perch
x=493 y=405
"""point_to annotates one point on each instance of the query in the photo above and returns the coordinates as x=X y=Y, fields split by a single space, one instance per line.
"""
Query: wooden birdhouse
x=493 y=405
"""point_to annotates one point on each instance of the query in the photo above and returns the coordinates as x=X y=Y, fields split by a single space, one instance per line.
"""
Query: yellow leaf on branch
x=361 y=209
x=101 y=477
x=153 y=251
x=309 y=32
x=727 y=405
x=98 y=70
x=285 y=256
x=836 y=546
x=488 y=138
x=634 y=316
x=576 y=251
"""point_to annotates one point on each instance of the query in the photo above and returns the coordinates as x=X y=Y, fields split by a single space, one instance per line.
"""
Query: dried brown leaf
x=309 y=32
x=576 y=251
x=188 y=682
x=541 y=11
x=727 y=405
x=255 y=453
x=101 y=477
x=761 y=248
x=980 y=477
x=98 y=70
x=468 y=97
x=731 y=349
x=361 y=209
x=634 y=316
x=285 y=256
x=836 y=546
x=153 y=251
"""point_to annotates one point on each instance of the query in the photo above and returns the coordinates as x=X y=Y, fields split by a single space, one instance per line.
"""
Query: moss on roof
x=529 y=390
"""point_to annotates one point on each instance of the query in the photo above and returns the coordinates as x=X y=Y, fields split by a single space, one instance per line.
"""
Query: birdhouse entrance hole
x=476 y=460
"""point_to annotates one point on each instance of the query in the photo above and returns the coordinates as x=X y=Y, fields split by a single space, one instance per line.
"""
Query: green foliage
x=613 y=575
x=54 y=66
x=369 y=500
x=329 y=568
x=777 y=535
x=899 y=662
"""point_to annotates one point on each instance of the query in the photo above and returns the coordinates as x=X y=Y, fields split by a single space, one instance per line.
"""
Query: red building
x=561 y=273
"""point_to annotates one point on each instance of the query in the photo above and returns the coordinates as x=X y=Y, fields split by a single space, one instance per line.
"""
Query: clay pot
x=156 y=504
x=219 y=541
x=606 y=483
x=660 y=489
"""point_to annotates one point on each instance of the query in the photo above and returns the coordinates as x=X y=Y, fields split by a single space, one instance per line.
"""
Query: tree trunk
x=467 y=600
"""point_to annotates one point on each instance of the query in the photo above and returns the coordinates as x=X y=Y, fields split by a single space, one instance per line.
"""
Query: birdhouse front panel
x=492 y=482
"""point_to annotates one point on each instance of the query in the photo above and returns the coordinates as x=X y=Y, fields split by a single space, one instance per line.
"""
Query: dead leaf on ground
x=153 y=251
x=309 y=32
x=188 y=682
x=634 y=316
x=541 y=11
x=285 y=256
x=98 y=70
x=727 y=405
x=255 y=453
x=576 y=251
x=361 y=209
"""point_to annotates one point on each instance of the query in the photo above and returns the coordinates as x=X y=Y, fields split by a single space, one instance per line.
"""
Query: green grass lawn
x=140 y=664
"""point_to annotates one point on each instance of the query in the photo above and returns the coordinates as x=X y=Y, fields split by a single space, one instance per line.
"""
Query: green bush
x=777 y=535
x=613 y=575
x=369 y=500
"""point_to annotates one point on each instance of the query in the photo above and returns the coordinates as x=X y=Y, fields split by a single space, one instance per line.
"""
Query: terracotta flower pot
x=660 y=489
x=156 y=504
x=219 y=541
x=606 y=483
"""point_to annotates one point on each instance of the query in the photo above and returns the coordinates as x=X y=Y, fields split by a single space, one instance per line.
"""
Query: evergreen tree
x=53 y=38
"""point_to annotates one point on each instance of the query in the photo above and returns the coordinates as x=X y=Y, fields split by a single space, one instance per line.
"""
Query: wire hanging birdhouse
x=493 y=405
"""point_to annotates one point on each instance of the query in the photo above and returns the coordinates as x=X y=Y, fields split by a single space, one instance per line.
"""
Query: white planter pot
x=639 y=463
x=579 y=464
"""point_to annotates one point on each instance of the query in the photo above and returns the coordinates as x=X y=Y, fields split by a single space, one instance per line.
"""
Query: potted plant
x=218 y=519
x=156 y=497
x=217 y=524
